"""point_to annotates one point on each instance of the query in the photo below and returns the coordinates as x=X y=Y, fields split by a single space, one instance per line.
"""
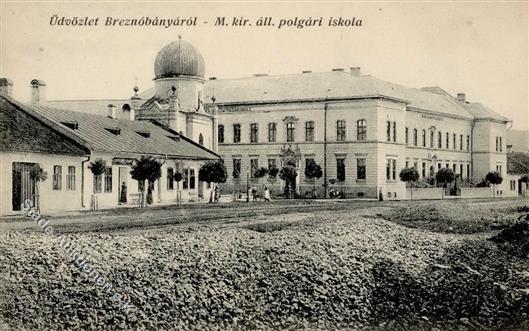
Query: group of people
x=252 y=194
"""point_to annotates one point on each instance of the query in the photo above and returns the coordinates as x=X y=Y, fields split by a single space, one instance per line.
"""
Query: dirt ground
x=290 y=265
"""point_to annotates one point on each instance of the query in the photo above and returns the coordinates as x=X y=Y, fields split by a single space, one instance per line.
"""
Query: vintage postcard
x=264 y=165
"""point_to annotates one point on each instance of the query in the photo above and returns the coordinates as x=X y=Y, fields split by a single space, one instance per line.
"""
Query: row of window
x=340 y=167
x=423 y=170
x=341 y=129
x=462 y=140
x=188 y=179
x=57 y=178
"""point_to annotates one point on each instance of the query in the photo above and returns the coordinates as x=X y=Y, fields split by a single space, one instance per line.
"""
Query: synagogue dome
x=179 y=59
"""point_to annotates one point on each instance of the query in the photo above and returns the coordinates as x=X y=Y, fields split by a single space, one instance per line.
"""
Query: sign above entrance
x=122 y=161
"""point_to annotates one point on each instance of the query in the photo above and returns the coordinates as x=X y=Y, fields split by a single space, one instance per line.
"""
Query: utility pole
x=325 y=149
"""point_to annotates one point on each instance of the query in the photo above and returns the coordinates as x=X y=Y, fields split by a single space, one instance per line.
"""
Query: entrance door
x=122 y=184
x=23 y=186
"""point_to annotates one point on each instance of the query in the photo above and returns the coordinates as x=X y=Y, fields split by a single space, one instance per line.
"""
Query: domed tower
x=179 y=72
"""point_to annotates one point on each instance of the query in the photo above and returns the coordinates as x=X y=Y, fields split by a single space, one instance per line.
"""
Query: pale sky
x=480 y=48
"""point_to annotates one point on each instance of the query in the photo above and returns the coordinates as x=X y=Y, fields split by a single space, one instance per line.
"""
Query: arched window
x=126 y=107
x=201 y=139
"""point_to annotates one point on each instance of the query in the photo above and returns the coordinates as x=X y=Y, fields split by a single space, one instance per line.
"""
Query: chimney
x=6 y=87
x=38 y=91
x=355 y=71
x=111 y=111
x=461 y=97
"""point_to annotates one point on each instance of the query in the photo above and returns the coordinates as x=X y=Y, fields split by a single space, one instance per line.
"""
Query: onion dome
x=178 y=59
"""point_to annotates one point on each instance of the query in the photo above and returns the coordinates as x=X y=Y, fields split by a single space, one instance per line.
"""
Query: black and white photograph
x=264 y=165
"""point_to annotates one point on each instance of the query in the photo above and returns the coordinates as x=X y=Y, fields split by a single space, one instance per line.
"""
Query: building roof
x=108 y=135
x=326 y=85
x=318 y=86
x=22 y=132
x=481 y=111
x=179 y=58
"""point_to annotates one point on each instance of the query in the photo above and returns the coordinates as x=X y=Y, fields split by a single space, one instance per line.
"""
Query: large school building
x=361 y=130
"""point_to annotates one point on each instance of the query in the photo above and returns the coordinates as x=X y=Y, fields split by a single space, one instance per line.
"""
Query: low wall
x=475 y=192
x=424 y=193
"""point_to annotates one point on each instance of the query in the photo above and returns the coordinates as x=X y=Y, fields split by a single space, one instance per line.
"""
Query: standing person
x=250 y=195
x=217 y=193
x=266 y=194
x=380 y=195
x=123 y=193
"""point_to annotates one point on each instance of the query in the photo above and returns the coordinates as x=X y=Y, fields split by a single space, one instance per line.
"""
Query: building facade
x=361 y=130
x=65 y=143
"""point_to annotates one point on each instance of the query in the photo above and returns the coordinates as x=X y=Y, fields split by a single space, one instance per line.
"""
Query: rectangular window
x=307 y=161
x=393 y=169
x=513 y=185
x=192 y=179
x=406 y=135
x=461 y=170
x=98 y=183
x=220 y=133
x=423 y=170
x=361 y=130
x=185 y=180
x=57 y=177
x=468 y=171
x=447 y=140
x=236 y=168
x=254 y=132
x=454 y=138
x=340 y=130
x=108 y=179
x=438 y=166
x=454 y=168
x=460 y=142
x=394 y=131
x=290 y=131
x=236 y=133
x=407 y=164
x=501 y=145
x=423 y=138
x=439 y=140
x=254 y=166
x=70 y=179
x=309 y=131
x=498 y=169
x=361 y=168
x=170 y=179
x=388 y=131
x=340 y=169
x=414 y=137
x=468 y=143
x=272 y=132
x=388 y=169
x=432 y=135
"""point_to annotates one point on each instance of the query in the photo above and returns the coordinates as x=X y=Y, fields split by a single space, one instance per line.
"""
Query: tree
x=273 y=171
x=213 y=172
x=288 y=173
x=494 y=178
x=97 y=167
x=313 y=171
x=260 y=172
x=409 y=175
x=37 y=174
x=146 y=169
x=445 y=176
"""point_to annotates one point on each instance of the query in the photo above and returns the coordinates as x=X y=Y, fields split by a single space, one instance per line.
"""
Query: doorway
x=122 y=185
x=23 y=187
